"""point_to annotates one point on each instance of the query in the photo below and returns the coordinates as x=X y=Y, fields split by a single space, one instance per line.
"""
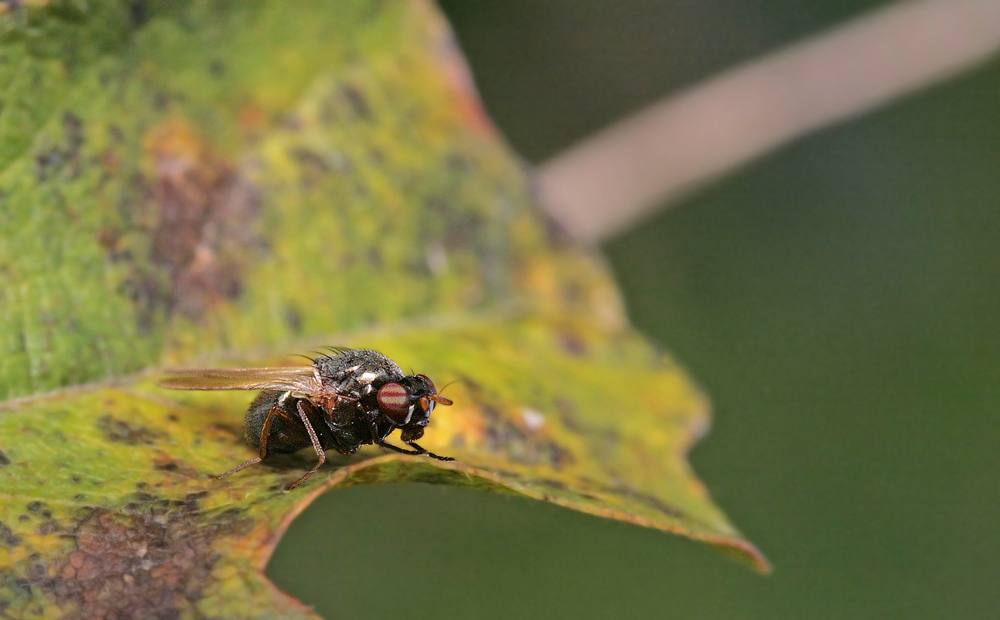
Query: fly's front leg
x=417 y=451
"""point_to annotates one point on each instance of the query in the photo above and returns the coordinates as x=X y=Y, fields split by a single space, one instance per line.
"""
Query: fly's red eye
x=394 y=401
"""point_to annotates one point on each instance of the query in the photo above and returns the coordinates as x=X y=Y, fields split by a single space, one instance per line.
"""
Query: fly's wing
x=296 y=378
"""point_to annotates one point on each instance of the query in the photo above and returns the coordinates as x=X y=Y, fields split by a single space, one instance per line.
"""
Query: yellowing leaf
x=231 y=182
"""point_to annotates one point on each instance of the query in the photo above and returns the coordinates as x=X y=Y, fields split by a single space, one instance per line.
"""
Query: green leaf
x=233 y=182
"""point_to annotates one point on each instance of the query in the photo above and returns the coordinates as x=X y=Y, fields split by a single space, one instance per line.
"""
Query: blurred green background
x=839 y=301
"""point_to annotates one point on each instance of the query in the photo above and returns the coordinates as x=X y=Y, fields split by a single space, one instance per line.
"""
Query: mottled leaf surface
x=217 y=183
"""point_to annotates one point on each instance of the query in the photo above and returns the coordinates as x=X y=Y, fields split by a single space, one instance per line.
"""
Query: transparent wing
x=296 y=378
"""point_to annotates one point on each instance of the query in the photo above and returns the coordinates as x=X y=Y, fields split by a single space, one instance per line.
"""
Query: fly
x=345 y=400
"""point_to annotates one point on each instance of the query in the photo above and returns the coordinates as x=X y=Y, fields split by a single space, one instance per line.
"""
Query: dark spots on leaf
x=49 y=527
x=658 y=504
x=193 y=497
x=573 y=292
x=463 y=230
x=63 y=158
x=292 y=122
x=160 y=100
x=565 y=488
x=572 y=343
x=109 y=239
x=458 y=163
x=73 y=126
x=116 y=133
x=633 y=495
x=8 y=538
x=310 y=160
x=44 y=162
x=40 y=512
x=314 y=166
x=505 y=437
x=173 y=466
x=557 y=456
x=357 y=102
x=293 y=319
x=588 y=488
x=568 y=415
x=228 y=433
x=75 y=479
x=24 y=585
x=557 y=235
x=4 y=459
x=117 y=430
x=138 y=13
x=154 y=561
x=217 y=68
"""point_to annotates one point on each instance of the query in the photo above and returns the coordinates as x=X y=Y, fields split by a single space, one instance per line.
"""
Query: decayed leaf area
x=214 y=176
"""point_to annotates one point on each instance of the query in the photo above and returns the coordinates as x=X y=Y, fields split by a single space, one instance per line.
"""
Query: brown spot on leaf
x=62 y=158
x=116 y=430
x=251 y=119
x=505 y=437
x=152 y=563
x=4 y=459
x=625 y=490
x=197 y=215
x=139 y=13
x=658 y=504
x=357 y=102
x=205 y=210
x=572 y=342
x=173 y=466
x=49 y=526
x=8 y=538
x=217 y=68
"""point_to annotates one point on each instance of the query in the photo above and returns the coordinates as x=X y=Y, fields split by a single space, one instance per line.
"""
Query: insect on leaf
x=220 y=184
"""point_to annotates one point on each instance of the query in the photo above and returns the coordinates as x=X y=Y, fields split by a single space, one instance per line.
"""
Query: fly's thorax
x=357 y=373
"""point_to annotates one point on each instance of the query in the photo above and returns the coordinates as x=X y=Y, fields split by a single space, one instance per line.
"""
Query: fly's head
x=408 y=403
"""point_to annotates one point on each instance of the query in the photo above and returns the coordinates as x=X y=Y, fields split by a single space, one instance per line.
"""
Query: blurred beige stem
x=604 y=184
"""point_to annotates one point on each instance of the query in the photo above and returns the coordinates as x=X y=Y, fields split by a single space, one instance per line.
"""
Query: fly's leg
x=417 y=450
x=265 y=434
x=316 y=446
x=232 y=471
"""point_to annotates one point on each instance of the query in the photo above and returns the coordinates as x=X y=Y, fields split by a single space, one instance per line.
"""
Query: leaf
x=180 y=180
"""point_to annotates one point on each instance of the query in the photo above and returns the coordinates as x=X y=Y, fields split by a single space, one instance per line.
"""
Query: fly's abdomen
x=257 y=414
x=273 y=421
